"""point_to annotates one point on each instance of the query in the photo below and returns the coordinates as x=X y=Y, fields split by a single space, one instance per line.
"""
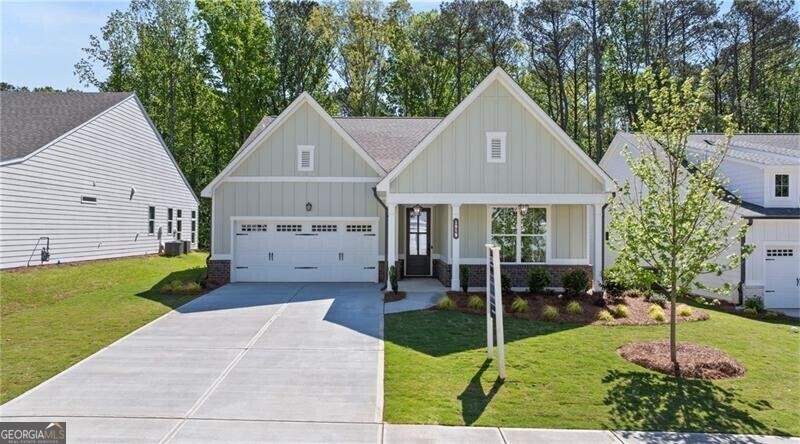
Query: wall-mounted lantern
x=309 y=206
x=417 y=209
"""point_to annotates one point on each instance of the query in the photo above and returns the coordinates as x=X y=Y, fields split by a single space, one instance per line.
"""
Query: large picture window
x=521 y=236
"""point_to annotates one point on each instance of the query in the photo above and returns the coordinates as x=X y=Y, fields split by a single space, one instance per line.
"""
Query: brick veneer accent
x=441 y=271
x=517 y=272
x=219 y=271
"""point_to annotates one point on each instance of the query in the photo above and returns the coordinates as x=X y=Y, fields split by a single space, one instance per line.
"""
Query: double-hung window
x=521 y=235
x=194 y=226
x=151 y=220
x=180 y=227
x=781 y=185
x=169 y=221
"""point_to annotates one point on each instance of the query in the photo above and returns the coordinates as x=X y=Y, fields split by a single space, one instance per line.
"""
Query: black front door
x=418 y=242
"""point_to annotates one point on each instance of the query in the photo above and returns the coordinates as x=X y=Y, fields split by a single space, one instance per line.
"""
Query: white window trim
x=305 y=149
x=788 y=186
x=547 y=237
x=490 y=135
x=151 y=219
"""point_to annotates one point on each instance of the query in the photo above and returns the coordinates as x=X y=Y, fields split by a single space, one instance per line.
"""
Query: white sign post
x=494 y=307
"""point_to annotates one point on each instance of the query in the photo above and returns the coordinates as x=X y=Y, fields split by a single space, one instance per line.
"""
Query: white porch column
x=598 y=247
x=455 y=260
x=391 y=253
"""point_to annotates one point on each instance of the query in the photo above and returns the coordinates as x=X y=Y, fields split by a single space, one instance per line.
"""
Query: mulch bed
x=394 y=297
x=591 y=305
x=695 y=361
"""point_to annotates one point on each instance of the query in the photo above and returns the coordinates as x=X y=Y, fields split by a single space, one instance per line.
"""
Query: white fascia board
x=303 y=98
x=496 y=199
x=302 y=179
x=66 y=134
x=527 y=102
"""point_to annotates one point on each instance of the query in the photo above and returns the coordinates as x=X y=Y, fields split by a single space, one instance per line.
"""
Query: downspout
x=743 y=265
x=385 y=237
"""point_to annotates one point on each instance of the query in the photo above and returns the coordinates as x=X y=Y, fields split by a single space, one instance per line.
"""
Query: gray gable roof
x=764 y=149
x=386 y=139
x=31 y=120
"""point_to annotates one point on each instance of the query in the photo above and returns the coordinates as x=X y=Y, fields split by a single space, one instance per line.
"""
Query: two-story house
x=763 y=170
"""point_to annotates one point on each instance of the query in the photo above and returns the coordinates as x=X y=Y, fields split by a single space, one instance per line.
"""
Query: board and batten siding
x=277 y=154
x=567 y=231
x=536 y=162
x=765 y=233
x=104 y=159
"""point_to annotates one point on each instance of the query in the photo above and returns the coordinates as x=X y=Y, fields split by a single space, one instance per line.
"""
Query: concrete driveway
x=247 y=362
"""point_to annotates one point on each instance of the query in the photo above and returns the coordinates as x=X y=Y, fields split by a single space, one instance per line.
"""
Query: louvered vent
x=495 y=147
x=305 y=158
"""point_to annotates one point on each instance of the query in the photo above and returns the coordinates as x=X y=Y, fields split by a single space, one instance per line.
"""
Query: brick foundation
x=219 y=271
x=517 y=272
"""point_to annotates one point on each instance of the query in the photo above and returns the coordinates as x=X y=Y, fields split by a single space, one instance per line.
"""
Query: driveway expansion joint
x=225 y=372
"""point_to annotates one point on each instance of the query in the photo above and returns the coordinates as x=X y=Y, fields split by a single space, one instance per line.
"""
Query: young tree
x=675 y=222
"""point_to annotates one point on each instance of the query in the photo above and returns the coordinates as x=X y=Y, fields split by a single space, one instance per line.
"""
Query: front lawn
x=570 y=376
x=53 y=317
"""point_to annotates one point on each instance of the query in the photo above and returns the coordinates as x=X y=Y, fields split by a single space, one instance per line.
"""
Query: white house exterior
x=764 y=171
x=88 y=175
x=310 y=197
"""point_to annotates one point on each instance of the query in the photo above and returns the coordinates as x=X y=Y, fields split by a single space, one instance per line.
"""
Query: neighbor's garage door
x=782 y=289
x=303 y=251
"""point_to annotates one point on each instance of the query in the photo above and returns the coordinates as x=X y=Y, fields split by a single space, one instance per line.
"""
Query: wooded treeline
x=208 y=71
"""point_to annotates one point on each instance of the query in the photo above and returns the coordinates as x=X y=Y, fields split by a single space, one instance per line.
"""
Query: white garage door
x=305 y=251
x=782 y=279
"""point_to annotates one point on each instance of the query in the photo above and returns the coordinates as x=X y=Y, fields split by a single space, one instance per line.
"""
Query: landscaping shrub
x=772 y=314
x=604 y=315
x=519 y=305
x=505 y=283
x=659 y=299
x=614 y=281
x=181 y=288
x=463 y=274
x=538 y=278
x=750 y=311
x=475 y=302
x=549 y=312
x=657 y=313
x=575 y=282
x=684 y=310
x=445 y=303
x=700 y=300
x=621 y=311
x=754 y=302
x=574 y=308
x=393 y=278
x=633 y=293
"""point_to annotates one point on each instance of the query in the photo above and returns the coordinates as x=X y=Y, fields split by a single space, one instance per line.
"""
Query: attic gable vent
x=305 y=158
x=495 y=147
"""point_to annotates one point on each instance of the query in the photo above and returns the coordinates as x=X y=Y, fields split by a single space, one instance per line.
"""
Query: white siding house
x=763 y=170
x=88 y=175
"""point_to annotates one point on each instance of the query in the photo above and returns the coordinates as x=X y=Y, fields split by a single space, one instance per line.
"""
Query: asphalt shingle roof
x=30 y=120
x=386 y=139
x=764 y=149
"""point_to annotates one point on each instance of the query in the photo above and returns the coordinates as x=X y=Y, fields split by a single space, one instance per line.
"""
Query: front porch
x=431 y=237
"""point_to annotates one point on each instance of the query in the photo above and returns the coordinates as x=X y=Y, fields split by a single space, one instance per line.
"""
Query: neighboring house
x=309 y=197
x=764 y=171
x=87 y=176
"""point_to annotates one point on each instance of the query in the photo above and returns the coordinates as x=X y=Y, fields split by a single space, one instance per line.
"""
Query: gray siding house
x=763 y=170
x=87 y=176
x=310 y=197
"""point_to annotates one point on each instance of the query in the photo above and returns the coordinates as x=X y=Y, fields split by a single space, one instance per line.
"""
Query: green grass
x=570 y=376
x=53 y=317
